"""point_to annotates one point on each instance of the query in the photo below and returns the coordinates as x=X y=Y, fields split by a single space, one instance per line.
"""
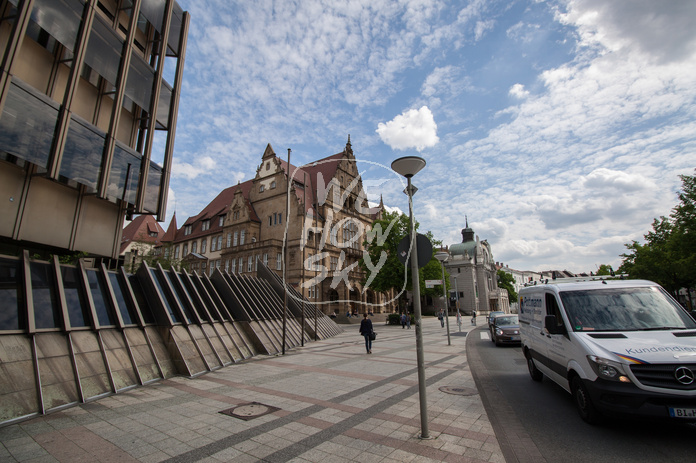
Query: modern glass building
x=89 y=92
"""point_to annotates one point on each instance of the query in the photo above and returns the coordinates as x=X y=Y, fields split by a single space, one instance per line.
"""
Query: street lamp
x=442 y=257
x=409 y=166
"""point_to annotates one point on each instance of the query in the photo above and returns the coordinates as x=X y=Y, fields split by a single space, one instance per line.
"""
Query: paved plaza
x=326 y=402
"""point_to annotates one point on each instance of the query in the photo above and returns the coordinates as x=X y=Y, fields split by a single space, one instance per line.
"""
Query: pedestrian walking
x=367 y=332
x=403 y=321
x=473 y=318
x=408 y=321
x=441 y=317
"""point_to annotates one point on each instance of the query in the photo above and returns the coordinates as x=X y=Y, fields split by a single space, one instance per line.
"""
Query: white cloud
x=411 y=129
x=203 y=165
x=602 y=179
x=518 y=91
x=662 y=30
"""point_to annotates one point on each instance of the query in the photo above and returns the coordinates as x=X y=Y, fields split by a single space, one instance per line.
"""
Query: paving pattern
x=326 y=402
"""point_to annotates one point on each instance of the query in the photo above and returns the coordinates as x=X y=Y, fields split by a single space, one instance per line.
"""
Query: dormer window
x=205 y=225
x=221 y=221
x=187 y=230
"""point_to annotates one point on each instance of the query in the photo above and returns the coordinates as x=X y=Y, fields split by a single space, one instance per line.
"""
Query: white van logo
x=684 y=375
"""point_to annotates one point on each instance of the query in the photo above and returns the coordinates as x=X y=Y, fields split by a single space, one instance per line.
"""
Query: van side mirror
x=552 y=325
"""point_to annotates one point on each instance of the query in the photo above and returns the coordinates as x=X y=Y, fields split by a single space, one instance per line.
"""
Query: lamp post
x=456 y=295
x=442 y=257
x=409 y=166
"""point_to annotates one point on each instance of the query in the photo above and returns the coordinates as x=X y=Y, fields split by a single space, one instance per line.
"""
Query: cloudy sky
x=559 y=127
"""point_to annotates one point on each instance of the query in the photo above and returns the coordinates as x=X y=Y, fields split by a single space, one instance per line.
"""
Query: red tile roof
x=139 y=231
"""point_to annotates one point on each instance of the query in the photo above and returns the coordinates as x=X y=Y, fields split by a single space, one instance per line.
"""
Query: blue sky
x=559 y=128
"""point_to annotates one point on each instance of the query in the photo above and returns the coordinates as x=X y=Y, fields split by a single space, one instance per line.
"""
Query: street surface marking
x=485 y=335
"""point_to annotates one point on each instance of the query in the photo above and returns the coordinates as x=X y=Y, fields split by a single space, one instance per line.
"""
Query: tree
x=668 y=255
x=604 y=270
x=385 y=236
x=506 y=281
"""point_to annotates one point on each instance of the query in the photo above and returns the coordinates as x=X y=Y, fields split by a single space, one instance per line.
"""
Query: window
x=187 y=230
x=279 y=261
x=241 y=237
x=166 y=253
x=176 y=251
x=219 y=242
x=280 y=218
x=334 y=263
x=229 y=239
x=236 y=235
x=235 y=216
x=234 y=265
x=204 y=245
x=153 y=234
x=268 y=165
x=205 y=225
x=309 y=263
x=256 y=264
x=213 y=243
x=334 y=236
x=265 y=258
x=250 y=262
x=241 y=264
x=194 y=246
x=203 y=266
x=221 y=221
x=227 y=265
x=350 y=235
x=261 y=189
x=185 y=253
x=270 y=220
x=275 y=219
x=273 y=184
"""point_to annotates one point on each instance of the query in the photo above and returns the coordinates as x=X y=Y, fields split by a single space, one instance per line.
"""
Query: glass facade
x=36 y=104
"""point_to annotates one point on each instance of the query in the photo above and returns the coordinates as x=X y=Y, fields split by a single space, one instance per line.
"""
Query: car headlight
x=608 y=369
x=498 y=331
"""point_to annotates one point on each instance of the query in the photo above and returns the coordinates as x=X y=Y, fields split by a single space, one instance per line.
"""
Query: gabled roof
x=214 y=209
x=139 y=231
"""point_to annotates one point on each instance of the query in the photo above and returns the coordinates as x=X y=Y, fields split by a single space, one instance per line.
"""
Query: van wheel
x=533 y=371
x=586 y=409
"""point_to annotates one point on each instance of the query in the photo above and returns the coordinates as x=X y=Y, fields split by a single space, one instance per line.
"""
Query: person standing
x=403 y=321
x=408 y=320
x=441 y=317
x=366 y=331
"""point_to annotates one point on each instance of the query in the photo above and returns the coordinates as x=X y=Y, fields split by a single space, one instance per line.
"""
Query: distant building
x=140 y=237
x=473 y=276
x=246 y=223
x=86 y=120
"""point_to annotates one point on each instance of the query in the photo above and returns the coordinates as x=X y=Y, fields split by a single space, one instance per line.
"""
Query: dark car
x=505 y=329
x=492 y=315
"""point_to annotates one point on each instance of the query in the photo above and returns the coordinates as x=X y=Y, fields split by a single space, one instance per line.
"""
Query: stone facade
x=473 y=276
x=328 y=216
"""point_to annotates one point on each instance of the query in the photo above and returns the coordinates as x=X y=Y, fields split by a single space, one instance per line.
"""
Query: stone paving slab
x=326 y=402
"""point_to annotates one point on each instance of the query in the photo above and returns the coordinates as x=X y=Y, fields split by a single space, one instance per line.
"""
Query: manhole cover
x=249 y=411
x=458 y=390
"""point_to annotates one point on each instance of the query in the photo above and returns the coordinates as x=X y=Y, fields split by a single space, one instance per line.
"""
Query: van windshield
x=624 y=309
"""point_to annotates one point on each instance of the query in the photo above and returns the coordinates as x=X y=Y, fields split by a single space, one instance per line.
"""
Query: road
x=547 y=414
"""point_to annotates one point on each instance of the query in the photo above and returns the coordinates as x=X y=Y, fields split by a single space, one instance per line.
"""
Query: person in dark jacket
x=366 y=331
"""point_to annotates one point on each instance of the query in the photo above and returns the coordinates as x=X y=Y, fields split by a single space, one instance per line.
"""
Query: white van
x=620 y=347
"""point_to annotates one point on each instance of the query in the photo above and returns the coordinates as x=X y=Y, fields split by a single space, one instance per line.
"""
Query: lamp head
x=408 y=166
x=442 y=256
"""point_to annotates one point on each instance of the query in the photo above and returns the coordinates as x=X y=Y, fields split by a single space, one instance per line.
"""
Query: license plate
x=682 y=412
